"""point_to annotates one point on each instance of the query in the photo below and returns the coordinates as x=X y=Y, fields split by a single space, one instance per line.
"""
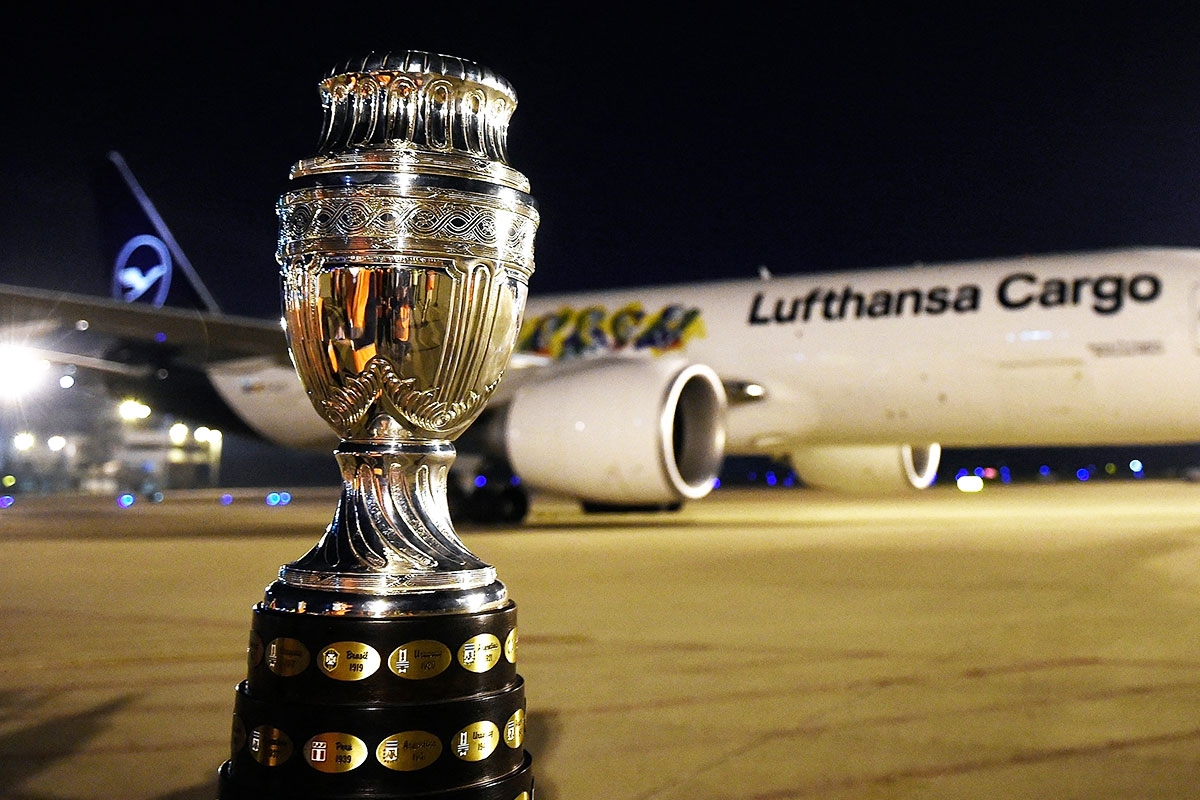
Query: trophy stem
x=391 y=533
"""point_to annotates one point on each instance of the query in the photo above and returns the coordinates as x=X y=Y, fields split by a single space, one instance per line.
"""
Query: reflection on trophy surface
x=383 y=662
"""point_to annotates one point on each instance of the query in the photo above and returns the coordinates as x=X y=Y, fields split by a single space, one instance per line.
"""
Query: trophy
x=383 y=662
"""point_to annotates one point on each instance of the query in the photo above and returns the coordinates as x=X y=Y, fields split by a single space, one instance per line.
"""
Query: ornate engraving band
x=413 y=220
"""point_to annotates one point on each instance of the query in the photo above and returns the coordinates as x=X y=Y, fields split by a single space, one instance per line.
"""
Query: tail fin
x=143 y=253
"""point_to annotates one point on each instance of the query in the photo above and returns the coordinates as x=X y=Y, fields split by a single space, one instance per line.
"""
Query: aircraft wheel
x=491 y=507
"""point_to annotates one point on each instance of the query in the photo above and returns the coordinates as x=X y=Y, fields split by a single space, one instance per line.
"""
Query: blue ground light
x=1083 y=474
x=6 y=501
x=480 y=481
x=126 y=500
x=226 y=499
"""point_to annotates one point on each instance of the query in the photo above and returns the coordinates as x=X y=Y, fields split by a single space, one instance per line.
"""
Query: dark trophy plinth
x=382 y=664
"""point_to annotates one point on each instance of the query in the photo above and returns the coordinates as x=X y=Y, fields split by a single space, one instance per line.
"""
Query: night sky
x=660 y=150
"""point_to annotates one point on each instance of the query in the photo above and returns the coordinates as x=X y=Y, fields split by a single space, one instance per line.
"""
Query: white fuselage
x=1073 y=350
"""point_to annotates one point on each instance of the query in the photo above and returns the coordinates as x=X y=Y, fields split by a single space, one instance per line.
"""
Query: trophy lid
x=420 y=62
x=416 y=100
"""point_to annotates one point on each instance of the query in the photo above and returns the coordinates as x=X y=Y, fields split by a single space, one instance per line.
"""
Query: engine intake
x=868 y=469
x=632 y=432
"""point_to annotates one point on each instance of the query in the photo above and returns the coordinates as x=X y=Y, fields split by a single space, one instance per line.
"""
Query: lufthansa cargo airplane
x=631 y=398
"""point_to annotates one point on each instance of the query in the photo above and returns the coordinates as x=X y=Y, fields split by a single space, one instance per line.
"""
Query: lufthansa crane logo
x=152 y=270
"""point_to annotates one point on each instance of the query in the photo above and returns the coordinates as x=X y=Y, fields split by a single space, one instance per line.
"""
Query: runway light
x=1110 y=468
x=66 y=382
x=178 y=433
x=125 y=500
x=131 y=410
x=754 y=390
x=24 y=441
x=157 y=497
x=226 y=499
x=970 y=483
x=81 y=324
x=6 y=501
x=1135 y=466
x=56 y=443
x=9 y=481
x=202 y=434
x=1083 y=474
x=480 y=481
x=214 y=436
x=22 y=371
x=990 y=473
x=272 y=499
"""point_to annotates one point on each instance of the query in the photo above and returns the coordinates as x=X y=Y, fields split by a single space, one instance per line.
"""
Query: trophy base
x=518 y=786
x=426 y=705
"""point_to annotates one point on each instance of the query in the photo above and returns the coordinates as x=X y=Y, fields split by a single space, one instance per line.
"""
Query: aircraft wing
x=193 y=337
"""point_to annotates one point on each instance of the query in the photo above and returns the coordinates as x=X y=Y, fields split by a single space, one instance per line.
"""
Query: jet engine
x=620 y=432
x=868 y=469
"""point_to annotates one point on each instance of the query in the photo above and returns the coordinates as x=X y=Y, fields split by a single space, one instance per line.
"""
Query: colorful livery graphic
x=568 y=332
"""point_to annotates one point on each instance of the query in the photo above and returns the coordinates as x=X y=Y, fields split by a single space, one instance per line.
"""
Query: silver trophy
x=383 y=662
x=405 y=279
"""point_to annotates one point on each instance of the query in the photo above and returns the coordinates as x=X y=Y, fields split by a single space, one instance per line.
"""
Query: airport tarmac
x=1028 y=641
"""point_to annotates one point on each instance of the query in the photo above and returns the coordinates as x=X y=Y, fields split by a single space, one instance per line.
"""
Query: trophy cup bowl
x=383 y=662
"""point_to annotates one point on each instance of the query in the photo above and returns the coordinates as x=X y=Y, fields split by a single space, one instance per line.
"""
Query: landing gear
x=493 y=497
x=607 y=508
x=496 y=506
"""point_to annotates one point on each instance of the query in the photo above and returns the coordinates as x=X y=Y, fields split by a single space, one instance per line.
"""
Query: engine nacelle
x=620 y=431
x=868 y=469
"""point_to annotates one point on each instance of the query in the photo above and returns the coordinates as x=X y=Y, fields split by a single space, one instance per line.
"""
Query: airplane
x=631 y=398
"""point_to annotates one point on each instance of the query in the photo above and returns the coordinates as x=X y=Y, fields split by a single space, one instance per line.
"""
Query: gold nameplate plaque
x=477 y=741
x=409 y=751
x=335 y=752
x=349 y=661
x=479 y=653
x=421 y=659
x=287 y=657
